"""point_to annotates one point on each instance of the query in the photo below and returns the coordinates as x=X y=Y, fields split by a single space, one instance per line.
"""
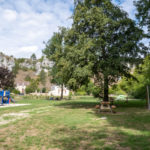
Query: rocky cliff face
x=6 y=61
x=37 y=65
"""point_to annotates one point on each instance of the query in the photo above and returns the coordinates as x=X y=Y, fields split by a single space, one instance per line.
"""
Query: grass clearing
x=75 y=125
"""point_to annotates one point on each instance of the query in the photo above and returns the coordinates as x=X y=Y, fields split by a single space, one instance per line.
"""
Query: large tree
x=103 y=43
x=55 y=52
x=6 y=78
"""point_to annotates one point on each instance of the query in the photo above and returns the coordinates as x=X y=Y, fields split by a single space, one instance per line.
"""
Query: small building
x=56 y=91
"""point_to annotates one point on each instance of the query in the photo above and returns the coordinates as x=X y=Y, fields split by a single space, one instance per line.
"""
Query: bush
x=115 y=89
x=32 y=87
x=80 y=93
x=70 y=96
x=15 y=91
x=44 y=90
x=96 y=91
x=29 y=90
x=27 y=78
x=90 y=88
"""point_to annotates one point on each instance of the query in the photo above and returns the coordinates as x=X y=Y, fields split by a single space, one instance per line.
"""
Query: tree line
x=102 y=45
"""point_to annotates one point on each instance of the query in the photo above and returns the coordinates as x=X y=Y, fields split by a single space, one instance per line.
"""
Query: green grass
x=75 y=125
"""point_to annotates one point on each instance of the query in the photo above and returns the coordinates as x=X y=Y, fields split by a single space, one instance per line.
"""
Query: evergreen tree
x=33 y=57
x=42 y=77
x=101 y=44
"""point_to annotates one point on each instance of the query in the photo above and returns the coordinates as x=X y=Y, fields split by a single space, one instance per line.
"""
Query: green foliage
x=42 y=58
x=24 y=68
x=70 y=95
x=32 y=87
x=89 y=88
x=33 y=57
x=16 y=68
x=137 y=88
x=115 y=89
x=20 y=60
x=42 y=77
x=15 y=91
x=44 y=90
x=143 y=15
x=27 y=78
x=81 y=91
x=96 y=92
x=101 y=43
x=55 y=52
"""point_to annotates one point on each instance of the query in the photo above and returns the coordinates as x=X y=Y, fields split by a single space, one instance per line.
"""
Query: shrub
x=96 y=91
x=15 y=91
x=44 y=90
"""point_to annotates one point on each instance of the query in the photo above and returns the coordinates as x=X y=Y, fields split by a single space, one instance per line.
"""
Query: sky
x=26 y=24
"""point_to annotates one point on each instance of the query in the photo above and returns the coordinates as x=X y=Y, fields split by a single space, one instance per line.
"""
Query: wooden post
x=148 y=98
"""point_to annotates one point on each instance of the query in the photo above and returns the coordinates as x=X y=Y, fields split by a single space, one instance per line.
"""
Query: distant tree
x=16 y=67
x=27 y=78
x=55 y=52
x=44 y=90
x=42 y=77
x=33 y=86
x=33 y=57
x=6 y=78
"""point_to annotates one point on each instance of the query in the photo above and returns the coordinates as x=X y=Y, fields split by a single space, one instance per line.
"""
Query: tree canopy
x=143 y=12
x=102 y=44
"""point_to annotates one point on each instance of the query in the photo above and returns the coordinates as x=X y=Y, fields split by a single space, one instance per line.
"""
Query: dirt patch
x=7 y=118
x=12 y=105
x=10 y=117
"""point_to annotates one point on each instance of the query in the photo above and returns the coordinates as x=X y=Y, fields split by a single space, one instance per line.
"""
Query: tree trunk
x=62 y=91
x=105 y=89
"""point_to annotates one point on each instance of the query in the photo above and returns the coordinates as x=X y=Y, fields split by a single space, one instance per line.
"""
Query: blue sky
x=25 y=24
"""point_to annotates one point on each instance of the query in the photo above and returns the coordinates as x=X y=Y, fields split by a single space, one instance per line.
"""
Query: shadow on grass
x=91 y=103
x=99 y=139
x=82 y=102
x=131 y=103
x=75 y=139
x=131 y=124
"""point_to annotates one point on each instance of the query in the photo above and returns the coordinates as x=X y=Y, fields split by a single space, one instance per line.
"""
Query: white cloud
x=27 y=49
x=9 y=15
x=25 y=24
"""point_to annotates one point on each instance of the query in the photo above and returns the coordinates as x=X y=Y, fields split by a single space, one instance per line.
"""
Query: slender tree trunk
x=62 y=91
x=105 y=89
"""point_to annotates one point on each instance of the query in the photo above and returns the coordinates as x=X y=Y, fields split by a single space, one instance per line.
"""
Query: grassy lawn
x=74 y=125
